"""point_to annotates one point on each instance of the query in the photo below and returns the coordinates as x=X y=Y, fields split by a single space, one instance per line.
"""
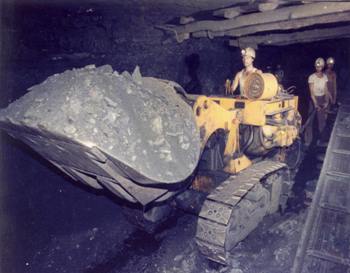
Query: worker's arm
x=335 y=88
x=330 y=86
x=235 y=83
x=328 y=96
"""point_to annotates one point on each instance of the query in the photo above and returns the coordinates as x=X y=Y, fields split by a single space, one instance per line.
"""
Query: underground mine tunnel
x=125 y=148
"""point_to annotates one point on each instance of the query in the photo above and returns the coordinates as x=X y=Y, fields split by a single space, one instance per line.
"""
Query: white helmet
x=319 y=62
x=248 y=51
x=330 y=60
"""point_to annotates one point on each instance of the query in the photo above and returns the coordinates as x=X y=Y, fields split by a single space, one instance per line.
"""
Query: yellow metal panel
x=254 y=113
x=232 y=143
x=210 y=117
x=238 y=164
x=213 y=113
x=279 y=106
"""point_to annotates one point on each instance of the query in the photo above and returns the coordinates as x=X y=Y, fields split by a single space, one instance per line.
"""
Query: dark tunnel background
x=38 y=204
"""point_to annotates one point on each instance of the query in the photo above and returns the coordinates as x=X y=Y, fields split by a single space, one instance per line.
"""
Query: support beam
x=270 y=5
x=280 y=15
x=228 y=13
x=289 y=24
x=313 y=1
x=186 y=20
x=293 y=38
x=233 y=12
x=285 y=25
x=313 y=40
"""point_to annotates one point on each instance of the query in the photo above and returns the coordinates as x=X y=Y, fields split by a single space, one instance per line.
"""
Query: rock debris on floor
x=270 y=248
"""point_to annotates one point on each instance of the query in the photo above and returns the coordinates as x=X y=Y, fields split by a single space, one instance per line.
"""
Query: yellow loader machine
x=152 y=145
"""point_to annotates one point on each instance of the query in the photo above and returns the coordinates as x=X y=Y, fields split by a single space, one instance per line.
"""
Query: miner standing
x=248 y=56
x=318 y=85
x=332 y=80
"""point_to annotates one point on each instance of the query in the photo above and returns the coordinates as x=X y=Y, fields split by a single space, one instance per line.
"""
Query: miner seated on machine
x=248 y=56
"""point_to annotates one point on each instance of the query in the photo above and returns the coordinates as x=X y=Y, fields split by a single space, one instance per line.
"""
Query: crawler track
x=235 y=208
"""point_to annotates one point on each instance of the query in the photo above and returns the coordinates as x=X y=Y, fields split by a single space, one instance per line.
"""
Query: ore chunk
x=139 y=122
x=136 y=75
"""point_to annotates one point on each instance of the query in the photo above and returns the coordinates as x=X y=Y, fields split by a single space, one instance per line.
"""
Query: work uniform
x=319 y=91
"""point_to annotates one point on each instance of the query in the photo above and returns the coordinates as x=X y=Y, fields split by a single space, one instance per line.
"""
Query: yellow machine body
x=277 y=120
x=251 y=142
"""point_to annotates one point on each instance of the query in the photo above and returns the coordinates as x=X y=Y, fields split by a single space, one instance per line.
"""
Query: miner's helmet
x=330 y=60
x=319 y=62
x=248 y=51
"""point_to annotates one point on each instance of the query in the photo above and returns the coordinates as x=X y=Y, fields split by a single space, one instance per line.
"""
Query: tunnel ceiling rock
x=242 y=22
x=177 y=6
x=277 y=22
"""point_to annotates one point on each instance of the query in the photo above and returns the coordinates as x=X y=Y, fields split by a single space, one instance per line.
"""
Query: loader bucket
x=132 y=134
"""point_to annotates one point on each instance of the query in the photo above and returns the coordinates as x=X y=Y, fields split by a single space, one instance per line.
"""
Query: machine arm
x=210 y=117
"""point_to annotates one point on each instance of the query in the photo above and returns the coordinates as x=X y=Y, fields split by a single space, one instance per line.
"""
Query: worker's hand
x=228 y=87
x=318 y=108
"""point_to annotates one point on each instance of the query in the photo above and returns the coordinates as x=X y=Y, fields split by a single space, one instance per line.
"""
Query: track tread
x=212 y=226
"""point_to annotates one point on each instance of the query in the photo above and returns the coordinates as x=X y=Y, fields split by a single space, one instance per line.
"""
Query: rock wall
x=60 y=37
